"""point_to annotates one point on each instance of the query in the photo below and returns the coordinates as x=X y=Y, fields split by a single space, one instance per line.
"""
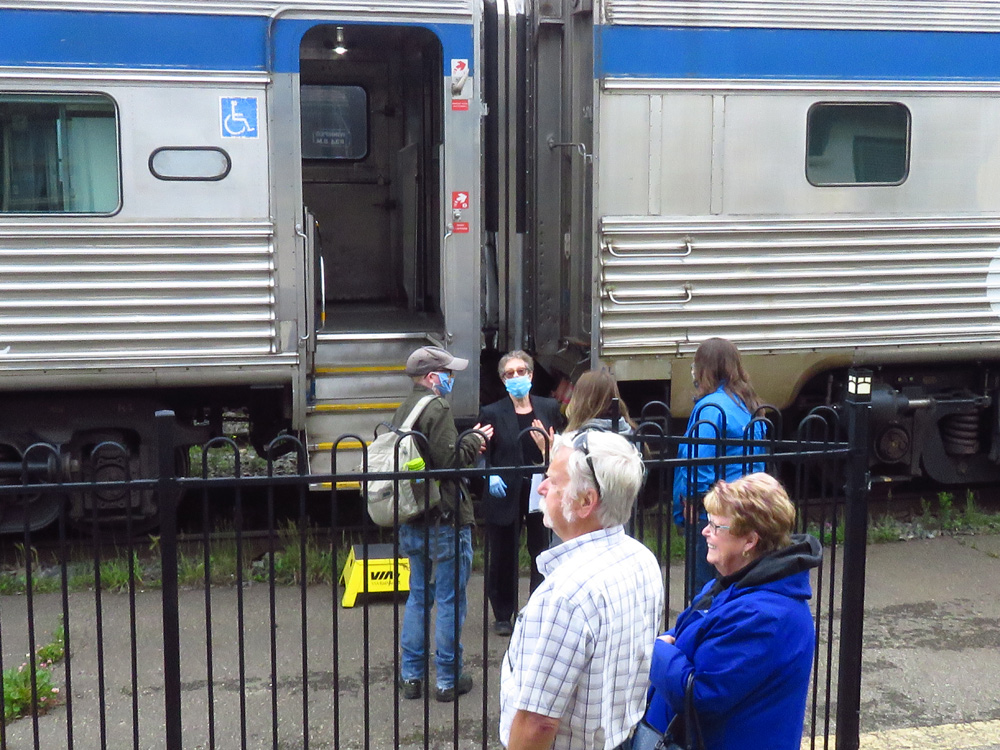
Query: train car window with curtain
x=58 y=154
x=857 y=144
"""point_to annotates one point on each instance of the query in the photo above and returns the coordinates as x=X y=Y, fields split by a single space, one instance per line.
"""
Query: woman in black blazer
x=506 y=498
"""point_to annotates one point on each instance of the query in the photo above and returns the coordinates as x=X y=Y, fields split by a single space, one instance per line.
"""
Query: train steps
x=358 y=382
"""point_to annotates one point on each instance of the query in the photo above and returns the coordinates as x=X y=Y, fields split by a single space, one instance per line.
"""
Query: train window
x=334 y=122
x=857 y=144
x=189 y=163
x=58 y=154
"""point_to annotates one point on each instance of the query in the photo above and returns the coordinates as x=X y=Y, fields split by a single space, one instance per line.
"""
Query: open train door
x=380 y=119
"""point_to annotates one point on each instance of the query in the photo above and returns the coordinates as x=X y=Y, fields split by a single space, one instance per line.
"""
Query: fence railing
x=225 y=625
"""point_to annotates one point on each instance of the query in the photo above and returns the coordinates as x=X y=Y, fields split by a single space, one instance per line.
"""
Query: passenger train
x=263 y=205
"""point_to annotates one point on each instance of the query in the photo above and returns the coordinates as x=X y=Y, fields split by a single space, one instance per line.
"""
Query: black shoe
x=503 y=627
x=411 y=689
x=447 y=695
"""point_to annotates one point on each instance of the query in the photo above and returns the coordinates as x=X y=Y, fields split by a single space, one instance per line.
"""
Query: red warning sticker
x=460 y=199
x=460 y=227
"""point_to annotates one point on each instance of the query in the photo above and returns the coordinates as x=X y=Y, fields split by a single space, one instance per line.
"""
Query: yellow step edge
x=340 y=486
x=353 y=369
x=388 y=406
x=345 y=445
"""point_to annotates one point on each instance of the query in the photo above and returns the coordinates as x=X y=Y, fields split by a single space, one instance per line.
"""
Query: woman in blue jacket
x=749 y=638
x=725 y=402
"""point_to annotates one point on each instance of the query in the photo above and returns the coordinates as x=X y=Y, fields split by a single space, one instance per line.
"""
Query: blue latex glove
x=498 y=487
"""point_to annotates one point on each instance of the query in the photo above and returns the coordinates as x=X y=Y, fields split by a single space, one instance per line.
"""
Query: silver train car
x=246 y=204
x=812 y=179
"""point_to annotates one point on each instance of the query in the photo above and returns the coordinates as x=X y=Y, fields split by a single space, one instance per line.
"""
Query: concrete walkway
x=932 y=645
x=931 y=660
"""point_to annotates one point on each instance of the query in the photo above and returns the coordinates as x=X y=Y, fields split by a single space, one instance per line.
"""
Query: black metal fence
x=236 y=634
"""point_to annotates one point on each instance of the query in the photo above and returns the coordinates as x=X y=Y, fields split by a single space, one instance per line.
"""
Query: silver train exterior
x=266 y=205
x=168 y=172
x=814 y=180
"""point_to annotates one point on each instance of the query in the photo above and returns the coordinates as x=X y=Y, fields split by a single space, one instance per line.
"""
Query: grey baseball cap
x=431 y=359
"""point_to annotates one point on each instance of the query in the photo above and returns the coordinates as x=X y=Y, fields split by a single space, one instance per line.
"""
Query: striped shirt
x=582 y=645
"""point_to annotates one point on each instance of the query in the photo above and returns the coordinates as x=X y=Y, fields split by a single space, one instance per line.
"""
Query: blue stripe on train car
x=131 y=40
x=170 y=41
x=717 y=53
x=456 y=40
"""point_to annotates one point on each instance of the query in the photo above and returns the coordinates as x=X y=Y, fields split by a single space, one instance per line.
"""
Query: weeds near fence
x=941 y=516
x=118 y=572
x=18 y=697
x=288 y=559
x=321 y=568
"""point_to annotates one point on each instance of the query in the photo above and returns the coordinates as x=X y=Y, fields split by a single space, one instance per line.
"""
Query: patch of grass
x=828 y=533
x=973 y=519
x=19 y=699
x=221 y=461
x=926 y=517
x=116 y=572
x=15 y=580
x=55 y=650
x=191 y=570
x=884 y=529
x=289 y=565
x=80 y=578
x=946 y=514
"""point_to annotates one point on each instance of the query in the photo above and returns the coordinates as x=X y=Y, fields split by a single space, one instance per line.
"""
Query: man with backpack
x=440 y=536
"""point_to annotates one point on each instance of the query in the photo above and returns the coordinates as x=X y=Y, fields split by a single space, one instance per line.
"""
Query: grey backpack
x=413 y=496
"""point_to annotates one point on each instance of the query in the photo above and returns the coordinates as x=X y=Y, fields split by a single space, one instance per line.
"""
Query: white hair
x=618 y=468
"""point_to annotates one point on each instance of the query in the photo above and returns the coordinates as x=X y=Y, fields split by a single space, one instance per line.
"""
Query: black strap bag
x=684 y=732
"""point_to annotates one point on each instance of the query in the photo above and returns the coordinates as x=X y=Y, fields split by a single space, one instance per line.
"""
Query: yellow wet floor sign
x=383 y=572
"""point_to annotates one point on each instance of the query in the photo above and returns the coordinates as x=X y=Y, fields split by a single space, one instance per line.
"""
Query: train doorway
x=370 y=99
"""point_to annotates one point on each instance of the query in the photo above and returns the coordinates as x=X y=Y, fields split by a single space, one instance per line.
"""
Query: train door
x=370 y=134
x=386 y=162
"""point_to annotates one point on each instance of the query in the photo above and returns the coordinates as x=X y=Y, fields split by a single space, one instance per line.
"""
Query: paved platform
x=931 y=663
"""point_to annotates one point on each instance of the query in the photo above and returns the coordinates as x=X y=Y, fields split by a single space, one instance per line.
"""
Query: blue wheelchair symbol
x=239 y=117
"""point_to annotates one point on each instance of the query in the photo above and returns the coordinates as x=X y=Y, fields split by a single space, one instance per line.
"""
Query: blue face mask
x=518 y=387
x=445 y=383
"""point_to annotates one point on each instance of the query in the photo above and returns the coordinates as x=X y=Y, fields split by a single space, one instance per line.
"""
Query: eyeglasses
x=715 y=527
x=519 y=372
x=580 y=444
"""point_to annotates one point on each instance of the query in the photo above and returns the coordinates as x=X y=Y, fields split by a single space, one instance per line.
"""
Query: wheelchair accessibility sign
x=239 y=117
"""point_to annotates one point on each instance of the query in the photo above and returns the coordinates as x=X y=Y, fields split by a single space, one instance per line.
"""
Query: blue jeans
x=697 y=570
x=428 y=586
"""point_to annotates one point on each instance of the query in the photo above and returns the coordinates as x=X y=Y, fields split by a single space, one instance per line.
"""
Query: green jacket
x=437 y=424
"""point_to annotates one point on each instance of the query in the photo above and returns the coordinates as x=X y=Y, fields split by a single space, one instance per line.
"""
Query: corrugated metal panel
x=386 y=12
x=797 y=285
x=141 y=296
x=918 y=15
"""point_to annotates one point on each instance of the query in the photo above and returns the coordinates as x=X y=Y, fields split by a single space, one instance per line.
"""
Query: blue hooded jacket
x=715 y=415
x=749 y=640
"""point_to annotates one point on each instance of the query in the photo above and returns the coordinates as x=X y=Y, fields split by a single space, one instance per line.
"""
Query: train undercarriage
x=91 y=437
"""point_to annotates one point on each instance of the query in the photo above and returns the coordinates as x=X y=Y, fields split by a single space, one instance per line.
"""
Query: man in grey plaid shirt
x=575 y=674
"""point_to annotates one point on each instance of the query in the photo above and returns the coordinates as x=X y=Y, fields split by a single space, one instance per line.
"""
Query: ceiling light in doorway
x=340 y=48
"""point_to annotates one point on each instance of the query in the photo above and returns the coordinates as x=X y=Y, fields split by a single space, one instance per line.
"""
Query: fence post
x=858 y=412
x=167 y=494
